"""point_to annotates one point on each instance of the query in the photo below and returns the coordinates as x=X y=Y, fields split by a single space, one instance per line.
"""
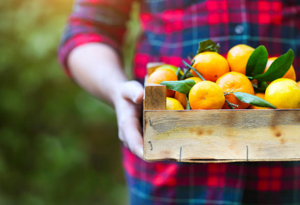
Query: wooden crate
x=217 y=135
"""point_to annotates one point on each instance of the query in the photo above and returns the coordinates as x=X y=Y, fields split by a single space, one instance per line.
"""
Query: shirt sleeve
x=102 y=21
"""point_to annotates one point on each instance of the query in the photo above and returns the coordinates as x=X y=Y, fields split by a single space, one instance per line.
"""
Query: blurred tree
x=56 y=141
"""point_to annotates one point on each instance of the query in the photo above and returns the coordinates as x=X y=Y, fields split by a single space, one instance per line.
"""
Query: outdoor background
x=58 y=145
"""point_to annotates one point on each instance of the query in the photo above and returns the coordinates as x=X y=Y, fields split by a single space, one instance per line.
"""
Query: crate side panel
x=269 y=135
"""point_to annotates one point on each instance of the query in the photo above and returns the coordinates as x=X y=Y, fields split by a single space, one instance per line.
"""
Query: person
x=90 y=53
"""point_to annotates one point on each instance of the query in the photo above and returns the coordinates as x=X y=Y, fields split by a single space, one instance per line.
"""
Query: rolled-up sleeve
x=102 y=21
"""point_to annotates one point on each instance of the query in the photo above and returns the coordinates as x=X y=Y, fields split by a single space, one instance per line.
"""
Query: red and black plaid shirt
x=171 y=32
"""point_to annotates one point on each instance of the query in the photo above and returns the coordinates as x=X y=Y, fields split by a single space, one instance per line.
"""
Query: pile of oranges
x=216 y=81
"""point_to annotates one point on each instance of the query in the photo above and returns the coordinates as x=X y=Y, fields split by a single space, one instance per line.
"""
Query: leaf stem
x=190 y=67
x=192 y=62
x=184 y=74
x=229 y=104
x=227 y=93
x=188 y=106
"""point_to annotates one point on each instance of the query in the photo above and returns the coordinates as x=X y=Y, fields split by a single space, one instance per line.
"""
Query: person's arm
x=89 y=52
x=96 y=67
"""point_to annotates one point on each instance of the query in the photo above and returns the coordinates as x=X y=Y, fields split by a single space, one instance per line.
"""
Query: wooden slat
x=222 y=135
x=155 y=97
x=151 y=67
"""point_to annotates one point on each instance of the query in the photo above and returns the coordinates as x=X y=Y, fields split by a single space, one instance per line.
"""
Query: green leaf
x=182 y=86
x=253 y=100
x=208 y=45
x=278 y=68
x=257 y=61
x=188 y=107
x=178 y=73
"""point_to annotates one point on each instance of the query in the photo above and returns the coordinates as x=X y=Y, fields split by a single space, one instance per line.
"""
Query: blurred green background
x=58 y=145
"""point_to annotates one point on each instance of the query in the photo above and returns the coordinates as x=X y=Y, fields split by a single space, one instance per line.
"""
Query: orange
x=290 y=74
x=298 y=83
x=161 y=75
x=238 y=57
x=206 y=95
x=173 y=68
x=196 y=79
x=173 y=104
x=283 y=93
x=235 y=82
x=262 y=96
x=182 y=97
x=210 y=65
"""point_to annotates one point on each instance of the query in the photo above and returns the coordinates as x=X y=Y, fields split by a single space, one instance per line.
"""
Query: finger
x=133 y=91
x=133 y=137
x=138 y=111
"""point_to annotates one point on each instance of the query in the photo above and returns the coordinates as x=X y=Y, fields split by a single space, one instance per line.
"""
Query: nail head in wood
x=247 y=152
x=151 y=147
x=180 y=154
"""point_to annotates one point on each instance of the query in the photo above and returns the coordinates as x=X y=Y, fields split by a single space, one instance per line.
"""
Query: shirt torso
x=172 y=29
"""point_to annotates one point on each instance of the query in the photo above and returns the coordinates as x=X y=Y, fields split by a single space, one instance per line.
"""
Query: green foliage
x=188 y=106
x=278 y=68
x=178 y=73
x=257 y=61
x=253 y=100
x=56 y=141
x=182 y=86
x=208 y=45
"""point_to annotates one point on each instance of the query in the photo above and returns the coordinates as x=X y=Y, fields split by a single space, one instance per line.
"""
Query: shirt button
x=239 y=29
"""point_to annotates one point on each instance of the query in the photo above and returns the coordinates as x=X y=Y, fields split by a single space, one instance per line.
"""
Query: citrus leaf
x=178 y=73
x=278 y=68
x=188 y=107
x=182 y=86
x=208 y=45
x=253 y=100
x=257 y=61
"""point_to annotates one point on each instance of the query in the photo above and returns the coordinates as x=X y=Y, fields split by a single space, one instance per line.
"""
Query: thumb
x=133 y=91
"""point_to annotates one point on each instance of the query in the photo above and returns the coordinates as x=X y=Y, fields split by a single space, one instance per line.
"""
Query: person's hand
x=128 y=107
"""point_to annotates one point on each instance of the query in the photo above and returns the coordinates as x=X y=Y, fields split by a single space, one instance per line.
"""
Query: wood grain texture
x=151 y=67
x=155 y=97
x=222 y=135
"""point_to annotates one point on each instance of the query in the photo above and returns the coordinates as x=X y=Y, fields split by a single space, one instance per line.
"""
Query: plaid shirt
x=172 y=30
